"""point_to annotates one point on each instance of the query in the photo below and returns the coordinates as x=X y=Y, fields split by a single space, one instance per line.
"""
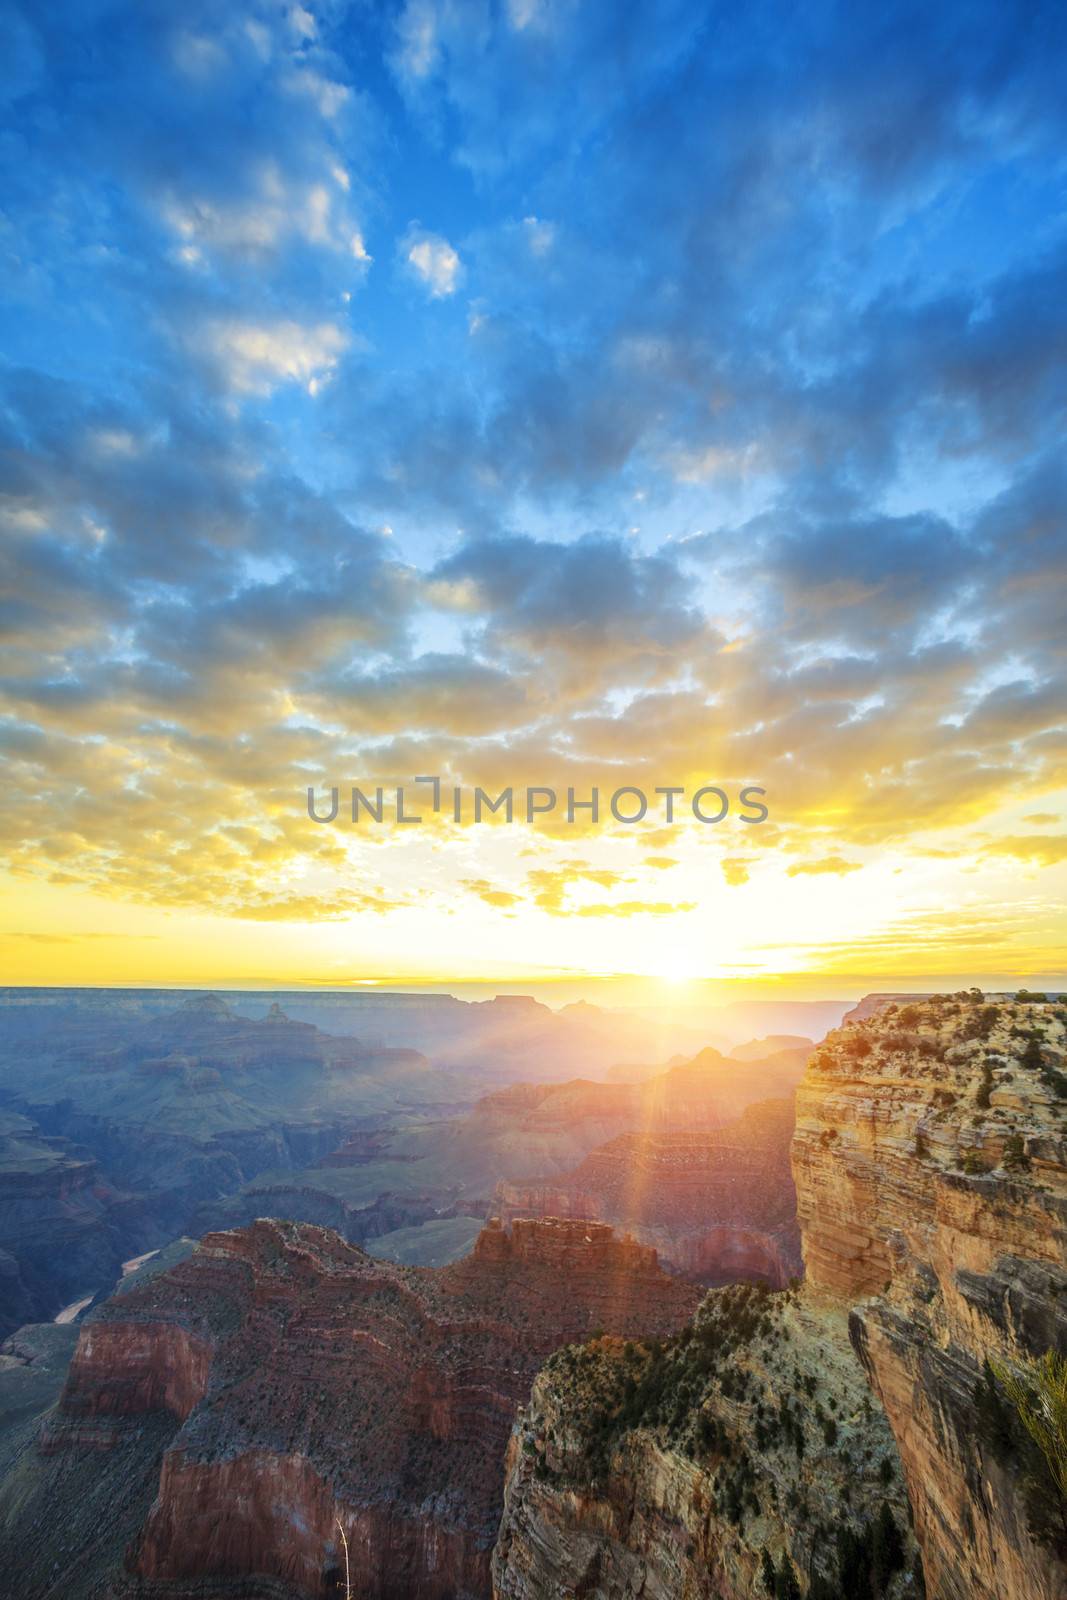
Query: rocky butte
x=717 y=1203
x=786 y=1443
x=280 y=1379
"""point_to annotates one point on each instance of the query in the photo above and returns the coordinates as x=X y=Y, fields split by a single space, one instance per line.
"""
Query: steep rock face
x=931 y=1168
x=719 y=1204
x=929 y=1159
x=306 y=1381
x=666 y=1471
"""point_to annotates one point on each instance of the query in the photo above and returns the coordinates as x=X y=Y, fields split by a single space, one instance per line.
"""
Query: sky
x=542 y=392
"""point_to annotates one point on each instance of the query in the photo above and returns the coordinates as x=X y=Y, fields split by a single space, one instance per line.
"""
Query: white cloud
x=540 y=235
x=197 y=55
x=280 y=209
x=433 y=260
x=417 y=35
x=328 y=96
x=302 y=23
x=523 y=14
x=255 y=358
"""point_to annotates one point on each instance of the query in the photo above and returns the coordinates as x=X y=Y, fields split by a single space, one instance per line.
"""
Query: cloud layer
x=530 y=393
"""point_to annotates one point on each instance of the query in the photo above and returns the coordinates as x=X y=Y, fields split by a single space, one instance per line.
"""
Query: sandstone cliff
x=930 y=1167
x=302 y=1381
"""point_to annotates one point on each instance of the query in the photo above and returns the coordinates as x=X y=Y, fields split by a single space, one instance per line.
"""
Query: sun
x=676 y=969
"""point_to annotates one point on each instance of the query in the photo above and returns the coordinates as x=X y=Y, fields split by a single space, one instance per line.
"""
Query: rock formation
x=718 y=1204
x=299 y=1381
x=930 y=1167
x=682 y=1470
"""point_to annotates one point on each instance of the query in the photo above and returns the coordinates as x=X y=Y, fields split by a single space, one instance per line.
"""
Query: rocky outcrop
x=931 y=1166
x=718 y=1204
x=303 y=1381
x=682 y=1470
x=930 y=1169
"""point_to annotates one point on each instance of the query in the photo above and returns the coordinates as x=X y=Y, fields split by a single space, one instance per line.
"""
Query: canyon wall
x=929 y=1158
x=299 y=1381
x=931 y=1167
x=680 y=1470
x=62 y=1226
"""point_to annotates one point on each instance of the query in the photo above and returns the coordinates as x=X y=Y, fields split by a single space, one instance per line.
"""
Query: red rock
x=309 y=1381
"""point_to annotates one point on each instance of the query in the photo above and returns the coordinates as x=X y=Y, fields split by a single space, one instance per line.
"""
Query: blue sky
x=534 y=387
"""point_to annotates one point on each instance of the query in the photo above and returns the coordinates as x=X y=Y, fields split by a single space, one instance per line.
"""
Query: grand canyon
x=743 y=1321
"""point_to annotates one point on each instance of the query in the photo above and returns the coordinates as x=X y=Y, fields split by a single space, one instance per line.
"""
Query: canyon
x=279 y=1379
x=718 y=1203
x=61 y=1223
x=129 y=1118
x=681 y=1158
x=827 y=1440
x=552 y=1413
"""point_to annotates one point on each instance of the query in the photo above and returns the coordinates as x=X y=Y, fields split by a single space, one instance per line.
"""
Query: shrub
x=1032 y=1055
x=786 y=1584
x=985 y=1088
x=1022 y=1419
x=1039 y=1395
x=1015 y=1156
x=887 y=1549
x=980 y=1024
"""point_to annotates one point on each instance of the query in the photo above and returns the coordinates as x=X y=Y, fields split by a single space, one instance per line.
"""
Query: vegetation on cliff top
x=786 y=1439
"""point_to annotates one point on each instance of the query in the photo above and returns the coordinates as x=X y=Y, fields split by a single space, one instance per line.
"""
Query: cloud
x=1042 y=850
x=254 y=358
x=836 y=865
x=746 y=466
x=433 y=262
x=501 y=898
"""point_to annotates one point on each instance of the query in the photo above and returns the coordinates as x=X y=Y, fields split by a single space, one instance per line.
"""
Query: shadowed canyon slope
x=280 y=1378
x=930 y=1168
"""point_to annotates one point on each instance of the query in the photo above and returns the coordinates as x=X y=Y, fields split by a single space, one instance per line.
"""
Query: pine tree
x=786 y=1584
x=767 y=1570
x=887 y=1549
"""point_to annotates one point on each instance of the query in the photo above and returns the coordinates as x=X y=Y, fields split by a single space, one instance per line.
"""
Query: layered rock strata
x=718 y=1204
x=306 y=1382
x=931 y=1173
x=931 y=1167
